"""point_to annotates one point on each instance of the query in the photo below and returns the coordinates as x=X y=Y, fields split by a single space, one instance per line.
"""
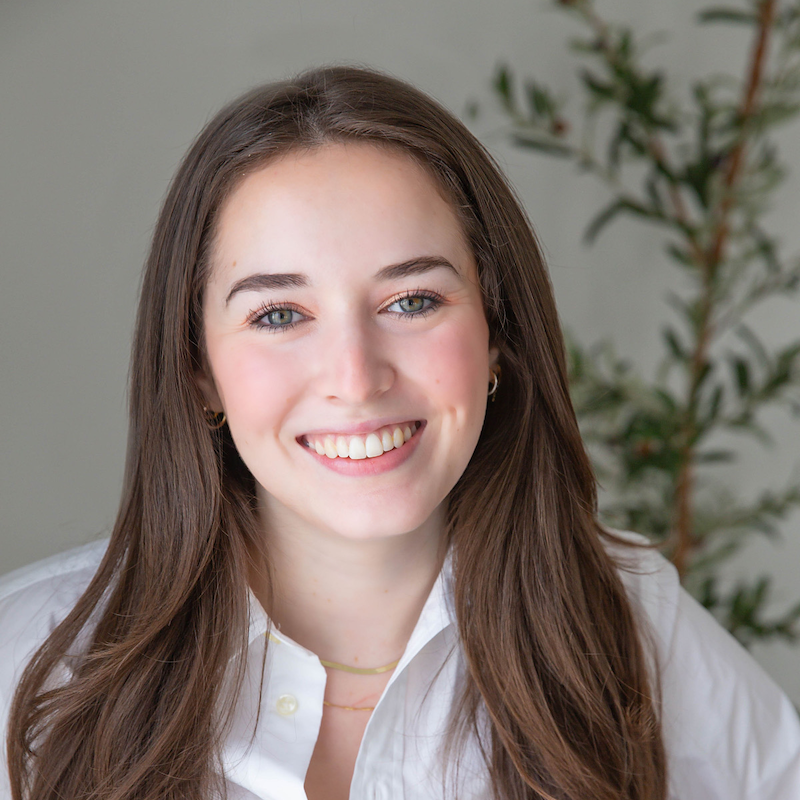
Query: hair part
x=558 y=687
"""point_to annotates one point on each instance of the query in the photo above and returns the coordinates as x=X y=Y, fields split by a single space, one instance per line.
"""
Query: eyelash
x=436 y=300
x=256 y=318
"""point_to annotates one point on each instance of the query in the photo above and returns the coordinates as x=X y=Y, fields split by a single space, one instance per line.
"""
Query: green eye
x=280 y=316
x=414 y=305
x=411 y=304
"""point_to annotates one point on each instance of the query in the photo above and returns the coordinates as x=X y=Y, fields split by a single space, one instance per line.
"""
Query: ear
x=209 y=391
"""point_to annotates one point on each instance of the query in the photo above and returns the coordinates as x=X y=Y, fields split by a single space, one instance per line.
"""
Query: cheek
x=253 y=383
x=455 y=368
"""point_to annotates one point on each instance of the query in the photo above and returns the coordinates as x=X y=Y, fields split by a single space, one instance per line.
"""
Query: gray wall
x=99 y=100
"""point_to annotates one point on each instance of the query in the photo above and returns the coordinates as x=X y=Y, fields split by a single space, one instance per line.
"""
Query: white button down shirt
x=730 y=733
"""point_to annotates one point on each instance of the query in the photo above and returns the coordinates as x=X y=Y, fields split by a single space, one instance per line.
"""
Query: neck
x=354 y=602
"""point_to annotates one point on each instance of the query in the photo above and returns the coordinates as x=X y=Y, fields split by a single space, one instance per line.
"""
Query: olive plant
x=704 y=171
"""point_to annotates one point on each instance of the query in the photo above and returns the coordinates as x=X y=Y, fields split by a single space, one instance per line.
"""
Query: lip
x=368 y=466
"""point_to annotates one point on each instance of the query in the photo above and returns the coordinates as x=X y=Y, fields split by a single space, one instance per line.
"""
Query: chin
x=352 y=515
x=364 y=525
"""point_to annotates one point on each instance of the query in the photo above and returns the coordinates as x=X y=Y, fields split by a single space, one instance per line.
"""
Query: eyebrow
x=294 y=280
x=281 y=280
x=415 y=266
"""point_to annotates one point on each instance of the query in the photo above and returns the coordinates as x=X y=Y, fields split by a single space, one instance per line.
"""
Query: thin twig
x=655 y=145
x=684 y=518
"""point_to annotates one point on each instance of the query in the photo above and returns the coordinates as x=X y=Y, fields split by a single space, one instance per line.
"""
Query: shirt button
x=286 y=705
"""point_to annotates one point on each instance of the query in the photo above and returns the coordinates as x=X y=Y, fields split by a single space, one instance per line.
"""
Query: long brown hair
x=555 y=661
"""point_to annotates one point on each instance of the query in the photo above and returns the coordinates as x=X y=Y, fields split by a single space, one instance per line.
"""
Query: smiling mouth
x=357 y=447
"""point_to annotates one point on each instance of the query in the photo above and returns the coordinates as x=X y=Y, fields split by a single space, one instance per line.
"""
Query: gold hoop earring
x=495 y=383
x=214 y=419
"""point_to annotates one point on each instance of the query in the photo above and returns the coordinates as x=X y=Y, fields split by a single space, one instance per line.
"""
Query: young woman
x=357 y=553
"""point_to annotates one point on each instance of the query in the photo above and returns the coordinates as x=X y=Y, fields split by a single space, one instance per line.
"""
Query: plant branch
x=747 y=109
x=654 y=144
x=683 y=533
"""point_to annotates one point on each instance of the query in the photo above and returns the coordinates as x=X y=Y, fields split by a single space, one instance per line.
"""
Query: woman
x=338 y=569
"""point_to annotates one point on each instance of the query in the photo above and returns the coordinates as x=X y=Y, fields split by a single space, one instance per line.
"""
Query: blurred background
x=98 y=102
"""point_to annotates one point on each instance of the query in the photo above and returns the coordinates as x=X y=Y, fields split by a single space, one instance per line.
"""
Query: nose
x=355 y=364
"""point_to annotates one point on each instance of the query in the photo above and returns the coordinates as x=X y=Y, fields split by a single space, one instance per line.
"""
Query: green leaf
x=663 y=170
x=705 y=373
x=746 y=334
x=667 y=399
x=644 y=96
x=615 y=208
x=601 y=90
x=673 y=344
x=544 y=143
x=539 y=100
x=708 y=594
x=651 y=187
x=719 y=14
x=584 y=46
x=716 y=402
x=625 y=46
x=775 y=114
x=788 y=359
x=615 y=147
x=787 y=364
x=744 y=423
x=698 y=175
x=715 y=456
x=712 y=408
x=680 y=255
x=742 y=373
x=745 y=614
x=690 y=311
x=503 y=86
x=786 y=17
x=766 y=249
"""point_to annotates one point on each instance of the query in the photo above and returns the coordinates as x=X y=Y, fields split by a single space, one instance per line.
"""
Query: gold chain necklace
x=352 y=671
x=356 y=671
x=349 y=708
x=359 y=670
x=344 y=667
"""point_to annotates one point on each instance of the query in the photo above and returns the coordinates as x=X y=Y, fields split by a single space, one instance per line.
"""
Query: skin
x=356 y=554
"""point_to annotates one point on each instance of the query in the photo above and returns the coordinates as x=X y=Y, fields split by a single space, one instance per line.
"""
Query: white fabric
x=730 y=733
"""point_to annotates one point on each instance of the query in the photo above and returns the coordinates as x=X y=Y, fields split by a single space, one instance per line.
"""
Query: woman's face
x=342 y=314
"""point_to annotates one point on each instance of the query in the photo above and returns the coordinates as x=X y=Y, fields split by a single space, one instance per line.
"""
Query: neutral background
x=100 y=98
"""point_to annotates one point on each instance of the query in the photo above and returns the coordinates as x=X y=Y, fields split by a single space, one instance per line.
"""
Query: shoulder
x=60 y=568
x=33 y=601
x=651 y=582
x=729 y=730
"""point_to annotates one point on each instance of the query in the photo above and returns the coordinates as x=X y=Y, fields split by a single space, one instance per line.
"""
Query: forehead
x=357 y=201
x=340 y=164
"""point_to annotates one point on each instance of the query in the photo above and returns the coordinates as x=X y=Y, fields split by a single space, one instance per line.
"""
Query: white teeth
x=358 y=448
x=373 y=446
